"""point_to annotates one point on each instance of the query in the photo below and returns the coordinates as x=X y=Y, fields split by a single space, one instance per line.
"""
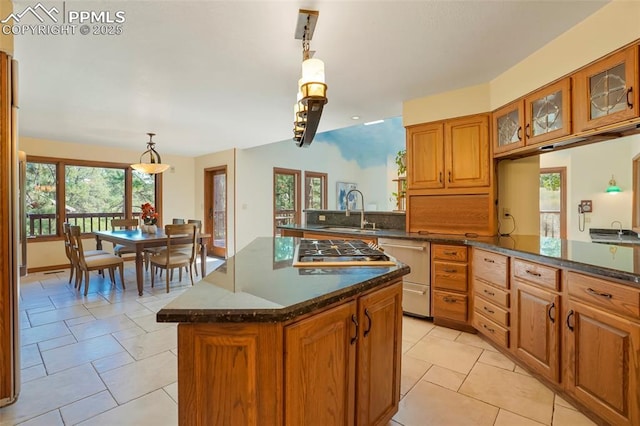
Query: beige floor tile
x=444 y=377
x=123 y=307
x=32 y=373
x=29 y=356
x=497 y=360
x=80 y=353
x=429 y=404
x=172 y=390
x=563 y=402
x=514 y=392
x=149 y=323
x=24 y=320
x=150 y=344
x=101 y=327
x=87 y=407
x=475 y=340
x=48 y=393
x=522 y=371
x=412 y=370
x=156 y=409
x=57 y=342
x=136 y=330
x=76 y=298
x=80 y=320
x=507 y=418
x=444 y=333
x=43 y=332
x=406 y=345
x=52 y=418
x=134 y=380
x=57 y=315
x=414 y=329
x=113 y=361
x=446 y=353
x=563 y=416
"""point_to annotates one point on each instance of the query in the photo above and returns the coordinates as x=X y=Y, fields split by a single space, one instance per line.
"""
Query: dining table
x=140 y=241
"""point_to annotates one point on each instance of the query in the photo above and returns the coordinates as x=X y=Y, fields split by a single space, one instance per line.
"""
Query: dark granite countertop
x=620 y=262
x=259 y=284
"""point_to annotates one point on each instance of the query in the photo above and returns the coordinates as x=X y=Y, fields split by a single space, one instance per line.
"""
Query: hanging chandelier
x=312 y=90
x=155 y=163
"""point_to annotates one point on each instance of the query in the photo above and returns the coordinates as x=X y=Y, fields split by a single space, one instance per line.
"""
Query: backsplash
x=383 y=220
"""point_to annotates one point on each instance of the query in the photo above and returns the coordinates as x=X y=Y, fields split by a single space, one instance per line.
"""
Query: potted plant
x=149 y=218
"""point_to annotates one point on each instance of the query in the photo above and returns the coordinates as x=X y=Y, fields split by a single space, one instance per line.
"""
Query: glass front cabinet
x=508 y=123
x=548 y=113
x=606 y=92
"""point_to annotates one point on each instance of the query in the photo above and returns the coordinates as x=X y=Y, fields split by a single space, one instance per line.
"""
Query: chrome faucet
x=363 y=221
x=619 y=227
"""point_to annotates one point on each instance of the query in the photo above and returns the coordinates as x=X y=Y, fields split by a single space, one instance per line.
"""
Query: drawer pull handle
x=489 y=260
x=491 y=311
x=410 y=290
x=535 y=274
x=451 y=271
x=489 y=329
x=552 y=318
x=354 y=320
x=597 y=293
x=400 y=246
x=490 y=293
x=450 y=253
x=368 y=330
x=569 y=326
x=449 y=300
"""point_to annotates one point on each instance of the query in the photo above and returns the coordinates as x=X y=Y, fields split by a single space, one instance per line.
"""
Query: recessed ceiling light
x=355 y=117
x=369 y=123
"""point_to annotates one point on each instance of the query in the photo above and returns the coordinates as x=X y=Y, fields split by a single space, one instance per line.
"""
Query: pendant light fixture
x=613 y=188
x=154 y=165
x=312 y=90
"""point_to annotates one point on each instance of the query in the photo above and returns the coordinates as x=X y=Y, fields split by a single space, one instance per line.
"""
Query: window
x=553 y=203
x=315 y=189
x=84 y=193
x=286 y=197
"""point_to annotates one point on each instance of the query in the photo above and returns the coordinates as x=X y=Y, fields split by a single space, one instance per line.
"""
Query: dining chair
x=119 y=249
x=87 y=264
x=198 y=224
x=177 y=255
x=177 y=221
x=73 y=267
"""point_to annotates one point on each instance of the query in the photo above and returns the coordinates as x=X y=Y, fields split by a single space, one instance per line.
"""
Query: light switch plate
x=587 y=206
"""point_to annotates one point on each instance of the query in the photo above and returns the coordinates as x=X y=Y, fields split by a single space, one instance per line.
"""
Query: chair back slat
x=177 y=221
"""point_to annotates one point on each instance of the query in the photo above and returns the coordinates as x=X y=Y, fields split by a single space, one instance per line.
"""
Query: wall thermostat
x=587 y=206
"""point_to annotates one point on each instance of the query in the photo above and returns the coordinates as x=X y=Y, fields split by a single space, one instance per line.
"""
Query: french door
x=215 y=196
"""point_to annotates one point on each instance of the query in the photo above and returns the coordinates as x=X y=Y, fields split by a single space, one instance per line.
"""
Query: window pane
x=143 y=190
x=285 y=192
x=94 y=196
x=550 y=204
x=40 y=199
x=219 y=209
x=314 y=187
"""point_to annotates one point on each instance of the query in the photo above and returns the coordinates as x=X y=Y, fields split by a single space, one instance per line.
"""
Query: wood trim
x=76 y=162
x=563 y=196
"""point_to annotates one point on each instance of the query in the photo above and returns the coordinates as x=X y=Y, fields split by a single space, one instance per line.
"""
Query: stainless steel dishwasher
x=416 y=297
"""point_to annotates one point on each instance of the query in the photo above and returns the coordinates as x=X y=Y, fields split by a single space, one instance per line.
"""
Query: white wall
x=589 y=169
x=177 y=186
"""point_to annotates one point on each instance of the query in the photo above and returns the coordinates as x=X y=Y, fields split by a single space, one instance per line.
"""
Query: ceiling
x=212 y=75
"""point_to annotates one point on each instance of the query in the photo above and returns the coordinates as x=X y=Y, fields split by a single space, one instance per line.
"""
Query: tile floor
x=104 y=360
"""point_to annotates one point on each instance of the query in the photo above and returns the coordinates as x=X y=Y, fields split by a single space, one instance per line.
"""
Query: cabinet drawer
x=450 y=305
x=491 y=267
x=450 y=276
x=615 y=297
x=492 y=330
x=535 y=273
x=491 y=311
x=492 y=294
x=447 y=252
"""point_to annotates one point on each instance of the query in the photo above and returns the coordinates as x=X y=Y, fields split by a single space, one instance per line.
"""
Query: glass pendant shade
x=613 y=188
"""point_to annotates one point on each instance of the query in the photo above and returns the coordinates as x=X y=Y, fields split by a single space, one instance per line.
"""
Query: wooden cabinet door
x=536 y=328
x=319 y=368
x=548 y=113
x=379 y=354
x=508 y=123
x=601 y=365
x=425 y=156
x=467 y=153
x=607 y=91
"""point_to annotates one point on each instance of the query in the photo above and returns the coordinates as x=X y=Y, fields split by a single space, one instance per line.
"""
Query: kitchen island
x=261 y=342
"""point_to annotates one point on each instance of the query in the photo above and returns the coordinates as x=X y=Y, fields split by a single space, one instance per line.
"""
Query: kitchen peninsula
x=262 y=342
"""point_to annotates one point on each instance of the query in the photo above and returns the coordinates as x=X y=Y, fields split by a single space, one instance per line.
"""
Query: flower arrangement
x=149 y=214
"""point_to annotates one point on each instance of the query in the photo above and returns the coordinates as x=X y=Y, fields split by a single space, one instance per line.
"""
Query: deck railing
x=40 y=224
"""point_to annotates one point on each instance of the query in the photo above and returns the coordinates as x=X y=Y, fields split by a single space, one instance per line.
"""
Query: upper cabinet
x=541 y=116
x=449 y=155
x=606 y=92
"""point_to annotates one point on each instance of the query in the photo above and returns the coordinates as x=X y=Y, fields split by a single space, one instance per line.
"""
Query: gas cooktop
x=321 y=253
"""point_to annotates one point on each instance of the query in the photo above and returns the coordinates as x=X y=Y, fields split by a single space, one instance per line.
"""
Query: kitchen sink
x=347 y=229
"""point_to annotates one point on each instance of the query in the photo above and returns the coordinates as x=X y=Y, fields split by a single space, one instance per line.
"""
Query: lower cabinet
x=320 y=366
x=536 y=331
x=602 y=362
